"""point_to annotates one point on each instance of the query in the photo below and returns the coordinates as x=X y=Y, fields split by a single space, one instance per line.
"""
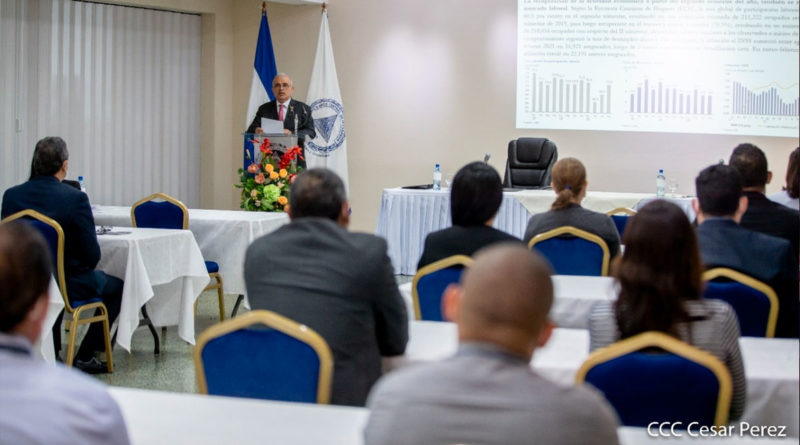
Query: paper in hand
x=271 y=126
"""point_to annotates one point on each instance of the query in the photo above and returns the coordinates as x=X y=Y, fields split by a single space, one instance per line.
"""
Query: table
x=162 y=268
x=223 y=235
x=573 y=298
x=771 y=366
x=407 y=216
x=164 y=417
x=161 y=417
x=55 y=304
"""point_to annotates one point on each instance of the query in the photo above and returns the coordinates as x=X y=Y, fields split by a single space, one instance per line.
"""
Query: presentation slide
x=681 y=66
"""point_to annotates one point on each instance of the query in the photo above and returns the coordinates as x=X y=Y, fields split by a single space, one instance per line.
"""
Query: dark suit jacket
x=774 y=219
x=70 y=208
x=459 y=240
x=723 y=243
x=341 y=285
x=305 y=123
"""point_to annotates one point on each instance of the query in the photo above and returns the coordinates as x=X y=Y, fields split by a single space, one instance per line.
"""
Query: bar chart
x=768 y=102
x=559 y=95
x=658 y=98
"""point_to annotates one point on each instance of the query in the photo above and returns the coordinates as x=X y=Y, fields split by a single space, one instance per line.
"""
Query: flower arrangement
x=265 y=185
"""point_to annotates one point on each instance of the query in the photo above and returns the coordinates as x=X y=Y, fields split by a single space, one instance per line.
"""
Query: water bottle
x=83 y=184
x=661 y=181
x=437 y=178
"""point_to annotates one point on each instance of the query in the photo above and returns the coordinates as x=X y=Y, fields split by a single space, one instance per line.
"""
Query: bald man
x=487 y=393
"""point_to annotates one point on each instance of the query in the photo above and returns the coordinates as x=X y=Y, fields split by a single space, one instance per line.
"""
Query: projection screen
x=682 y=66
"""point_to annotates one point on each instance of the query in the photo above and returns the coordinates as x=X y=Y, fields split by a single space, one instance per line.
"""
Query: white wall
x=434 y=81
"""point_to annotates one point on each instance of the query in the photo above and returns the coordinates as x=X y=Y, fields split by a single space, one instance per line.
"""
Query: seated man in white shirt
x=42 y=403
x=487 y=393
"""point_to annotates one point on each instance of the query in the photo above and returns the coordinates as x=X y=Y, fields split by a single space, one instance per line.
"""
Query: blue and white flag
x=329 y=148
x=264 y=70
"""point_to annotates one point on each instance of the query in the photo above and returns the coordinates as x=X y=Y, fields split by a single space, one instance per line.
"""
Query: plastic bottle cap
x=661 y=171
x=80 y=178
x=437 y=165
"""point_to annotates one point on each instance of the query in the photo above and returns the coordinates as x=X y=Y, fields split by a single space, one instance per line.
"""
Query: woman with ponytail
x=569 y=183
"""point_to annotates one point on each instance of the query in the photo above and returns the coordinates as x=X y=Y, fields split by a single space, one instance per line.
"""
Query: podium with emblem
x=280 y=143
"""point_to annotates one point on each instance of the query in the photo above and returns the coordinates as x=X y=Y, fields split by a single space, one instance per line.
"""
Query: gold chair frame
x=674 y=346
x=280 y=323
x=76 y=320
x=578 y=233
x=623 y=210
x=774 y=306
x=433 y=267
x=215 y=275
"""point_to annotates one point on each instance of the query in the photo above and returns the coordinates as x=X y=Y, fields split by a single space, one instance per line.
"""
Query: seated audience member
x=791 y=191
x=487 y=393
x=660 y=288
x=42 y=403
x=338 y=283
x=724 y=243
x=474 y=200
x=569 y=183
x=763 y=215
x=47 y=194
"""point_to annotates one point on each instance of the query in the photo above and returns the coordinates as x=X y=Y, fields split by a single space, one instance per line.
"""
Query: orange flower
x=273 y=175
x=283 y=173
x=254 y=193
x=286 y=208
x=282 y=200
x=260 y=178
x=269 y=168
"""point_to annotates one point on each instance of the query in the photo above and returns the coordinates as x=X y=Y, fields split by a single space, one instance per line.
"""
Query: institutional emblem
x=328 y=117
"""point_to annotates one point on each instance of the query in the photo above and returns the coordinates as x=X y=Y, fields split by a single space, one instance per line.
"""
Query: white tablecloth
x=573 y=299
x=771 y=366
x=223 y=235
x=154 y=417
x=161 y=268
x=407 y=216
x=55 y=304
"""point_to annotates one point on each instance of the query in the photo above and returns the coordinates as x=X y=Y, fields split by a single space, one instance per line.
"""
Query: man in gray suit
x=338 y=283
x=487 y=393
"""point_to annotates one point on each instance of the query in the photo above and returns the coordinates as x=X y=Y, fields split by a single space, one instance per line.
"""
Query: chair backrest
x=160 y=211
x=54 y=235
x=755 y=303
x=431 y=281
x=572 y=251
x=652 y=377
x=264 y=355
x=620 y=216
x=529 y=163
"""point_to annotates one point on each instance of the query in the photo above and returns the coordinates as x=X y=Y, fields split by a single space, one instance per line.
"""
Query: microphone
x=486 y=158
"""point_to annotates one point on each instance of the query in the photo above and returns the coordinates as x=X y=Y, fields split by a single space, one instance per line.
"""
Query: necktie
x=281 y=114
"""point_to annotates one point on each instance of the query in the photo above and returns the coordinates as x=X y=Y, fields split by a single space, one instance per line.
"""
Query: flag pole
x=324 y=6
x=263 y=6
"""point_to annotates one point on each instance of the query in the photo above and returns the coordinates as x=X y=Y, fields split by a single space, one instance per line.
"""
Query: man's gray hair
x=317 y=192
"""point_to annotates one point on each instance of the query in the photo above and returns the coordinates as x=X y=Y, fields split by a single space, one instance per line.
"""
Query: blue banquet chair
x=264 y=355
x=653 y=377
x=161 y=211
x=54 y=235
x=431 y=281
x=755 y=303
x=620 y=216
x=572 y=251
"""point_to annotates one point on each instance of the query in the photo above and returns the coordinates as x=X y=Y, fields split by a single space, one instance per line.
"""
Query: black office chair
x=529 y=163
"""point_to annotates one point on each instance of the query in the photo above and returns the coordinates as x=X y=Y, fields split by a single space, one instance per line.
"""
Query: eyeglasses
x=281 y=85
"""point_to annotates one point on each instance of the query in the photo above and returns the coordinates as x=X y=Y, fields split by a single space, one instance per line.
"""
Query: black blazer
x=774 y=219
x=71 y=209
x=459 y=240
x=723 y=243
x=305 y=123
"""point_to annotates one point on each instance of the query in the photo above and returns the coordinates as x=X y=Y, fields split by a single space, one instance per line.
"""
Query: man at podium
x=286 y=110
